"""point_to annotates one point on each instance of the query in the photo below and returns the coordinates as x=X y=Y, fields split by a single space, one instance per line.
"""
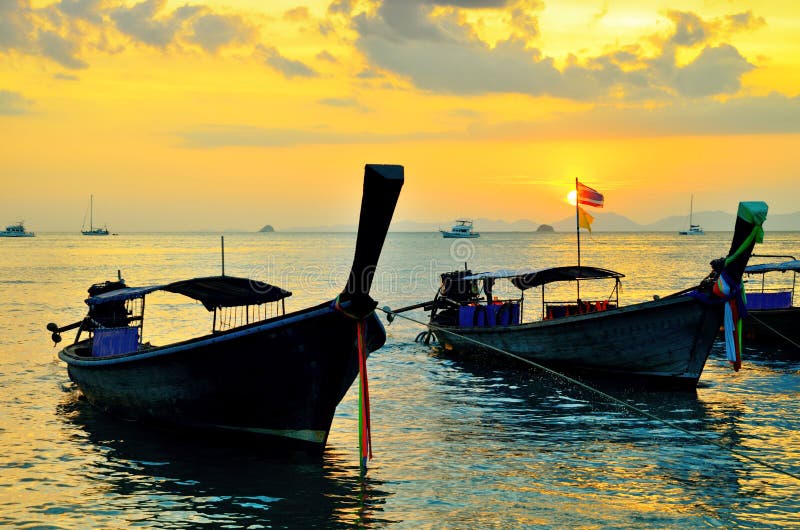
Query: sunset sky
x=235 y=113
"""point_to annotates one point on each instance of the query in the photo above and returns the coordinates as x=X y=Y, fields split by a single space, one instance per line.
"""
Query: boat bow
x=382 y=184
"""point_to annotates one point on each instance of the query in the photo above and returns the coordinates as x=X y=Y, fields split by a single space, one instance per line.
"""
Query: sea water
x=456 y=445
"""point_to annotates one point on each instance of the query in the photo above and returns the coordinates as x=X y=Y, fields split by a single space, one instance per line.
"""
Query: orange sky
x=230 y=114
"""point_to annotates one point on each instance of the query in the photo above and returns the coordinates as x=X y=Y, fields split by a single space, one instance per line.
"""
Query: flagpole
x=578 y=233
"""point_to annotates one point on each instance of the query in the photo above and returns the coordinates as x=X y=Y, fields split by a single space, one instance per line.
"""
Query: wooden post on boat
x=578 y=232
x=222 y=245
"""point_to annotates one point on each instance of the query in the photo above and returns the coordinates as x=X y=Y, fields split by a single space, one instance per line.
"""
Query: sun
x=571 y=197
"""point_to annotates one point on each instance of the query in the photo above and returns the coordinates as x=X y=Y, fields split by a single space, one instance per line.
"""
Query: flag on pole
x=588 y=196
x=584 y=219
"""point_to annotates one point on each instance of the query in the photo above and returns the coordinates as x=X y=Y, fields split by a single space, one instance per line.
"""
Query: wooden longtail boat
x=663 y=342
x=772 y=316
x=279 y=378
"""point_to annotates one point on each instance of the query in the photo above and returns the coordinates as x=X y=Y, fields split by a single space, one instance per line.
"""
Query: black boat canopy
x=793 y=265
x=211 y=291
x=525 y=279
x=126 y=293
x=227 y=291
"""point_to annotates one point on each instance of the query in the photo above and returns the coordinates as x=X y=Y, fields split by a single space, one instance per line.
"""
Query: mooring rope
x=603 y=394
x=775 y=331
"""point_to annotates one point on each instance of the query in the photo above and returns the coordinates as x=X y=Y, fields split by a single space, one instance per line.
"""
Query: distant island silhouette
x=267 y=228
x=545 y=228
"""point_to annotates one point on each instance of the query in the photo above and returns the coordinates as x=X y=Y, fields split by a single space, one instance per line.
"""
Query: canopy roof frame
x=526 y=279
x=212 y=291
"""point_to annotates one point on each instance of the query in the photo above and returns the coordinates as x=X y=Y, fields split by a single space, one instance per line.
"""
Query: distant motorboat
x=694 y=230
x=462 y=228
x=16 y=230
x=92 y=230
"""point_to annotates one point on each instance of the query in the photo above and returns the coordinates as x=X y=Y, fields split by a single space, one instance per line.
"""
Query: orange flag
x=585 y=220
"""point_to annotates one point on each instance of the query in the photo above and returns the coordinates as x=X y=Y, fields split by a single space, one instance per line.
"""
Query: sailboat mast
x=691 y=207
x=91 y=213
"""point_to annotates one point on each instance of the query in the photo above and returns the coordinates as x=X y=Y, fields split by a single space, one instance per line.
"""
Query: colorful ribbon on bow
x=364 y=424
x=735 y=312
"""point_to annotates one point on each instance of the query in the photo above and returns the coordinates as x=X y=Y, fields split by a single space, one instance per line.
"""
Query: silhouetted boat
x=694 y=230
x=664 y=342
x=92 y=231
x=16 y=230
x=772 y=316
x=280 y=378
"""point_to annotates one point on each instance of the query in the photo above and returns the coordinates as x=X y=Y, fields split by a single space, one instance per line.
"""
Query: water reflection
x=155 y=478
x=571 y=447
x=455 y=446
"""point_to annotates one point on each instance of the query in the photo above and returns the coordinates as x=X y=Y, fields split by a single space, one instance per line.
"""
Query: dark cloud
x=339 y=102
x=689 y=29
x=215 y=136
x=715 y=71
x=524 y=22
x=345 y=103
x=212 y=31
x=142 y=22
x=18 y=23
x=464 y=113
x=65 y=77
x=402 y=20
x=288 y=67
x=149 y=22
x=297 y=14
x=774 y=114
x=16 y=26
x=61 y=50
x=745 y=21
x=90 y=10
x=472 y=4
x=438 y=52
x=341 y=7
x=369 y=74
x=13 y=103
x=325 y=55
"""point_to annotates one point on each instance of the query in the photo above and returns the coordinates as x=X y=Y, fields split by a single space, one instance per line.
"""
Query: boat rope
x=364 y=423
x=775 y=331
x=605 y=395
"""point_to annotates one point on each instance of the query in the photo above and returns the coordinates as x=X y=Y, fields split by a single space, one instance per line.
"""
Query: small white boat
x=16 y=230
x=92 y=230
x=694 y=230
x=462 y=228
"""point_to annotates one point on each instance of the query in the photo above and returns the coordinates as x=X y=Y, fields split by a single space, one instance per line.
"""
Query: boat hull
x=12 y=234
x=280 y=379
x=773 y=326
x=450 y=235
x=666 y=342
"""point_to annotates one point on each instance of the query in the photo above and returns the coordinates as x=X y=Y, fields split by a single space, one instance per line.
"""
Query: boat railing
x=559 y=309
x=226 y=318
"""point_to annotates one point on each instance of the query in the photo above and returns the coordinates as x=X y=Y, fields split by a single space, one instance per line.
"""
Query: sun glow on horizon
x=572 y=197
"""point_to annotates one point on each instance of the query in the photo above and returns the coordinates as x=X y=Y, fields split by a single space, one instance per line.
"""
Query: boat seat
x=776 y=300
x=114 y=341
